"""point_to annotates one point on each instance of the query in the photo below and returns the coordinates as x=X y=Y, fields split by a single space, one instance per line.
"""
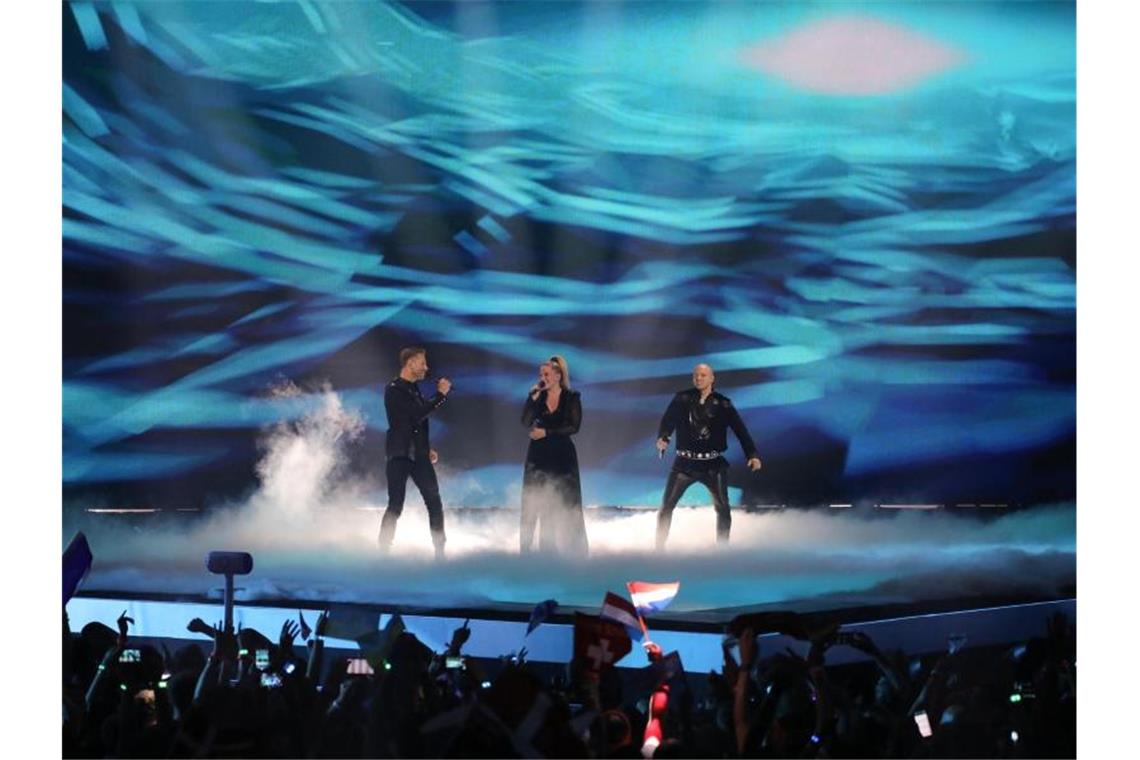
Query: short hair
x=409 y=353
x=559 y=363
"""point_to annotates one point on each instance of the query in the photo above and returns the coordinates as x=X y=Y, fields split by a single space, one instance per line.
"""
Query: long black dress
x=552 y=490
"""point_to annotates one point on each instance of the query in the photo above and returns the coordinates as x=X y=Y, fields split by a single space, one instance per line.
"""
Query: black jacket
x=408 y=414
x=703 y=427
x=566 y=418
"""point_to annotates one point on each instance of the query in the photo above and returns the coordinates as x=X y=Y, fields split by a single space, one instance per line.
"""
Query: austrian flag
x=652 y=597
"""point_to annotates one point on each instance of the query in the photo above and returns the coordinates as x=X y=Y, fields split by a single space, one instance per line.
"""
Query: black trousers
x=423 y=475
x=714 y=479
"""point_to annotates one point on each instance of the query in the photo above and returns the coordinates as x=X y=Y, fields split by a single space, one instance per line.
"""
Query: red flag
x=599 y=643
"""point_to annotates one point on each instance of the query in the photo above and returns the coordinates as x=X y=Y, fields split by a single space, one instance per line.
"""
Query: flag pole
x=640 y=619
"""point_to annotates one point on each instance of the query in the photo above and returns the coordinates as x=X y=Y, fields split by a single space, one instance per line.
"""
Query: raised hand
x=662 y=445
x=289 y=631
x=433 y=456
x=856 y=640
x=123 y=622
x=747 y=648
x=754 y=464
x=730 y=669
x=459 y=637
x=198 y=625
x=652 y=651
x=443 y=385
x=321 y=625
x=306 y=631
x=225 y=644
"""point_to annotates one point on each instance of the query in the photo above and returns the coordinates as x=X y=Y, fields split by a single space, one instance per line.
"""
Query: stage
x=914 y=575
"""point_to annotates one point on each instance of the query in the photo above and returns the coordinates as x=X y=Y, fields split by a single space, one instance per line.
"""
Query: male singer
x=407 y=448
x=701 y=417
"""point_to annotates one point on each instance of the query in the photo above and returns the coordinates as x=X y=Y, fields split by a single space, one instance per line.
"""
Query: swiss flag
x=599 y=643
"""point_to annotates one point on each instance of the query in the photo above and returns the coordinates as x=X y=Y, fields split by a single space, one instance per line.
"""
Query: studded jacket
x=408 y=414
x=702 y=428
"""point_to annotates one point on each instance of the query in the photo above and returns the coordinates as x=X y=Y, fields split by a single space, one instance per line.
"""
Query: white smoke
x=302 y=459
x=312 y=530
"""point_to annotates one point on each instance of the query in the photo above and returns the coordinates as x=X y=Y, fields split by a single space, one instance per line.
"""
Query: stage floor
x=806 y=560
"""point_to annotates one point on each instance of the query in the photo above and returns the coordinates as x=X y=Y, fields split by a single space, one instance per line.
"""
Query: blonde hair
x=563 y=369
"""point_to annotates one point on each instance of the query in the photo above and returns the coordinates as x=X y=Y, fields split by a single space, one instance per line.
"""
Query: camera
x=454 y=663
x=261 y=659
x=270 y=680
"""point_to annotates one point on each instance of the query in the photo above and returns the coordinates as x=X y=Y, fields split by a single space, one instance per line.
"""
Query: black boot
x=664 y=519
x=387 y=529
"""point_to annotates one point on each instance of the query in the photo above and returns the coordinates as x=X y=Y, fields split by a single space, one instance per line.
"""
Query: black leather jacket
x=408 y=414
x=702 y=428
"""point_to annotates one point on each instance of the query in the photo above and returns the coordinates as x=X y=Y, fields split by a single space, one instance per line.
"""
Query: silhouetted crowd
x=244 y=695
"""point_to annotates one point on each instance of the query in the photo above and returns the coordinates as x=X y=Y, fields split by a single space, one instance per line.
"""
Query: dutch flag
x=652 y=597
x=620 y=611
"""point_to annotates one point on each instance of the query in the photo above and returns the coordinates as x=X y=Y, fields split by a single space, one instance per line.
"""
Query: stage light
x=121 y=511
x=908 y=506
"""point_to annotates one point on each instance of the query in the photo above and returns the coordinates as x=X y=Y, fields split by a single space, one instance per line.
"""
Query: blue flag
x=377 y=645
x=540 y=613
x=76 y=562
x=349 y=622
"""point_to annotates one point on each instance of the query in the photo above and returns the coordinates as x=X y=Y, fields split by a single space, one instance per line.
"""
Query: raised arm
x=401 y=404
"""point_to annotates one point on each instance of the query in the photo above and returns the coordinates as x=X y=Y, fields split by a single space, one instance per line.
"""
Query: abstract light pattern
x=266 y=192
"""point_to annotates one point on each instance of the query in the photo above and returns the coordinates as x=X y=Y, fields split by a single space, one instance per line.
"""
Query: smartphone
x=358 y=666
x=923 y=724
x=261 y=659
x=453 y=663
x=270 y=680
x=130 y=655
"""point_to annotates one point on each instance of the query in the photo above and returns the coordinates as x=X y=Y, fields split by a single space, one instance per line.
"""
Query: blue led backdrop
x=862 y=215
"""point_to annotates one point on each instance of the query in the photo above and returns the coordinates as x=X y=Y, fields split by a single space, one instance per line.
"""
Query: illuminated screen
x=861 y=215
